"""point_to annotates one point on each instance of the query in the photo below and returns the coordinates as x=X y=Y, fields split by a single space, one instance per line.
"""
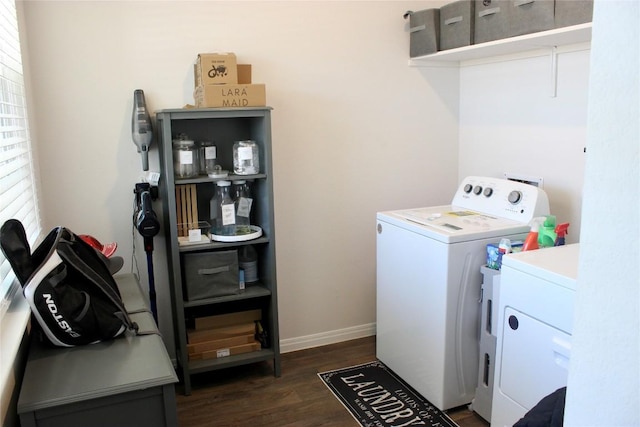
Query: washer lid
x=451 y=224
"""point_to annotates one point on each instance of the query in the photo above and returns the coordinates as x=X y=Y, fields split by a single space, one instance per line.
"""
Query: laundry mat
x=376 y=397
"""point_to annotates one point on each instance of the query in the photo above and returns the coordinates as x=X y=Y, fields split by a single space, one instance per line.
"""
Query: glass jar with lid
x=225 y=220
x=242 y=200
x=246 y=159
x=208 y=157
x=185 y=158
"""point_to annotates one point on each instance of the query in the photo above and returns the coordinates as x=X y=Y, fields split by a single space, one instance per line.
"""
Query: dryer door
x=535 y=359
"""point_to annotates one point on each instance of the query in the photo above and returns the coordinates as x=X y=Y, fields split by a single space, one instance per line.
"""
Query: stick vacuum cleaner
x=147 y=224
x=144 y=218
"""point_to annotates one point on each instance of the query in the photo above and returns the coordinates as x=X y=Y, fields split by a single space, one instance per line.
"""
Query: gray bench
x=128 y=381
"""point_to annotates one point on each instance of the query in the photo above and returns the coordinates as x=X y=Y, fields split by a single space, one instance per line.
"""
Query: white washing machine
x=535 y=323
x=428 y=282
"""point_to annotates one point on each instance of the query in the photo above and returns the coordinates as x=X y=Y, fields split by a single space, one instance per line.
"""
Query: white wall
x=355 y=131
x=604 y=377
x=513 y=120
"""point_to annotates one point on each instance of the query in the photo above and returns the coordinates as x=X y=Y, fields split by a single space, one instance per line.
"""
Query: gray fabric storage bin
x=573 y=12
x=456 y=24
x=531 y=16
x=424 y=29
x=492 y=20
x=211 y=274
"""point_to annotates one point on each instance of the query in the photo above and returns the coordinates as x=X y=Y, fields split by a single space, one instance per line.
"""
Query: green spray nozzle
x=549 y=221
x=547 y=232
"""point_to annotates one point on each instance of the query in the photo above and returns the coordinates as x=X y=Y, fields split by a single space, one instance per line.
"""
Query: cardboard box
x=244 y=74
x=230 y=95
x=243 y=71
x=216 y=68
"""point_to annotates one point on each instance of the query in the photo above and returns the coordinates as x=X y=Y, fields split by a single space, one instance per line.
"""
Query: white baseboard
x=325 y=338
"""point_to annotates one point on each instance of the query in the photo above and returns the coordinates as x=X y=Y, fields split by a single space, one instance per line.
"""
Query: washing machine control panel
x=502 y=198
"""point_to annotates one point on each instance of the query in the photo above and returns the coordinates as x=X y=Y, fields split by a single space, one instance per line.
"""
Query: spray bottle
x=547 y=234
x=561 y=231
x=531 y=241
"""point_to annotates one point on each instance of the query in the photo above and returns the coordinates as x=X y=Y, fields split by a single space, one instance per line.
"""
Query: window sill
x=12 y=328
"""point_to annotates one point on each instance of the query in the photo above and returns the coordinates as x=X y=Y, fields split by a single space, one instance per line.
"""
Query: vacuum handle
x=141 y=128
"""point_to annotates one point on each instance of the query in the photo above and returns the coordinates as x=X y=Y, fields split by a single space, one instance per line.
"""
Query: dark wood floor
x=252 y=396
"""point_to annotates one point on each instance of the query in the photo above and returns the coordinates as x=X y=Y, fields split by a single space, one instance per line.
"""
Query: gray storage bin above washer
x=531 y=16
x=492 y=20
x=573 y=12
x=424 y=31
x=211 y=274
x=457 y=24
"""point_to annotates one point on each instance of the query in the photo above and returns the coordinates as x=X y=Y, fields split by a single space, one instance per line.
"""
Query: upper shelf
x=528 y=42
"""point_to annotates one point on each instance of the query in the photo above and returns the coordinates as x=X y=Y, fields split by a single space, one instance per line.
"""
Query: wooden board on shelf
x=225 y=352
x=204 y=335
x=186 y=208
x=220 y=343
x=221 y=320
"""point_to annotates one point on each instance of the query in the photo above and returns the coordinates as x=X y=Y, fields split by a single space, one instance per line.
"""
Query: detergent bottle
x=561 y=231
x=531 y=241
x=547 y=232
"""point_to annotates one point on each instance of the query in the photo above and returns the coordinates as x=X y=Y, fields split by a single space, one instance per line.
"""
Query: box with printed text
x=216 y=68
x=230 y=95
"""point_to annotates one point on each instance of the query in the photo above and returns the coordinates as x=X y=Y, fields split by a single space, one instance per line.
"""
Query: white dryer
x=535 y=324
x=428 y=282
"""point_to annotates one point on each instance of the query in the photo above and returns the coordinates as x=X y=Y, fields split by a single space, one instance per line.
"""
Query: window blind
x=18 y=195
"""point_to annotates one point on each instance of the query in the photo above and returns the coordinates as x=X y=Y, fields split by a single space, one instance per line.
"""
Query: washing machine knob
x=488 y=191
x=468 y=188
x=477 y=190
x=514 y=197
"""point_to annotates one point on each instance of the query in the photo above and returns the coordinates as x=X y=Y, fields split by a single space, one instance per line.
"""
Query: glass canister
x=249 y=192
x=213 y=208
x=246 y=159
x=225 y=221
x=208 y=157
x=242 y=200
x=185 y=158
